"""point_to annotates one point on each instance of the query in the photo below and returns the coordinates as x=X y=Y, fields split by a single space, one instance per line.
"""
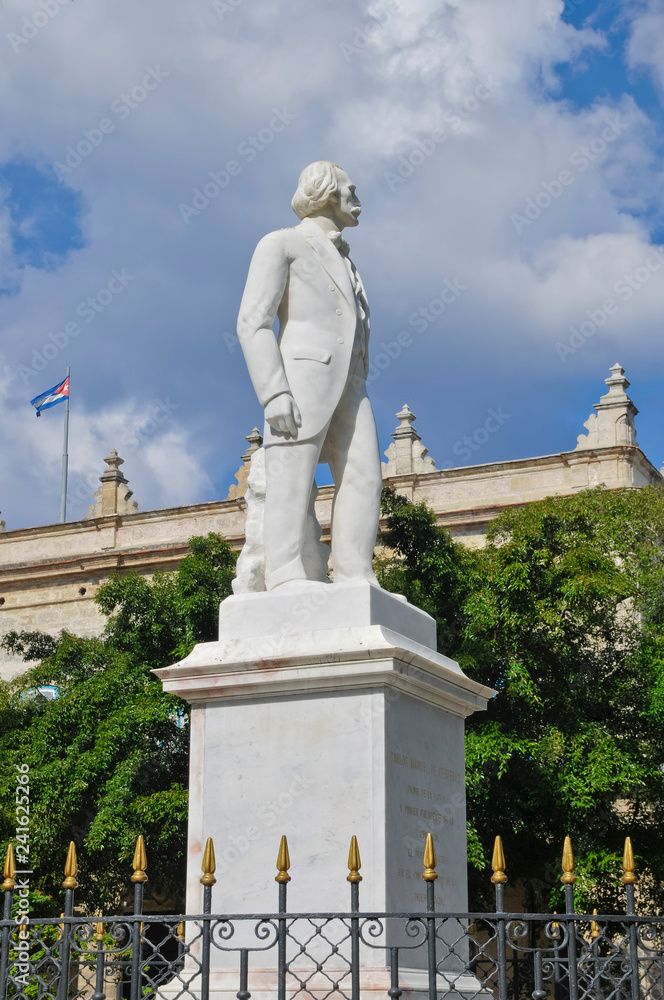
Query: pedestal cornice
x=327 y=660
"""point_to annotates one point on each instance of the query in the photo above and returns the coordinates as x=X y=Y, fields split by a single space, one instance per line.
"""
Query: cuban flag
x=51 y=397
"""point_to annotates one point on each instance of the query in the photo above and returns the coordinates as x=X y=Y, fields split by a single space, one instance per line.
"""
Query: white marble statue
x=311 y=380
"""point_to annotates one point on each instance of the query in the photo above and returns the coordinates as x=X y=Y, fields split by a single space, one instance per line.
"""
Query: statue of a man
x=311 y=380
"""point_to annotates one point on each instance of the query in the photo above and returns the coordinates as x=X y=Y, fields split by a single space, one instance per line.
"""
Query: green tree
x=563 y=615
x=426 y=566
x=108 y=756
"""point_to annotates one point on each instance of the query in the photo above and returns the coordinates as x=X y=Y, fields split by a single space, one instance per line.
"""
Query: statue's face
x=347 y=206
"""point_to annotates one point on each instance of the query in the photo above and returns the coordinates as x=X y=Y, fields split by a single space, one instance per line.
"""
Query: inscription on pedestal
x=425 y=794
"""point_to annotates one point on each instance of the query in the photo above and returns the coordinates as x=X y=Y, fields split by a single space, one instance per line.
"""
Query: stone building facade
x=50 y=574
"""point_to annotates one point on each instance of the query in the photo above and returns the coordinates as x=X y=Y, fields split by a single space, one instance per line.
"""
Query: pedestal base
x=309 y=608
x=321 y=734
x=375 y=984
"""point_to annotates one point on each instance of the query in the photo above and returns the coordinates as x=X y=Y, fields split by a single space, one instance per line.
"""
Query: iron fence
x=346 y=956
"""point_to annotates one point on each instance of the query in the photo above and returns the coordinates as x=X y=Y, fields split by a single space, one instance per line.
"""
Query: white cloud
x=646 y=44
x=161 y=462
x=419 y=71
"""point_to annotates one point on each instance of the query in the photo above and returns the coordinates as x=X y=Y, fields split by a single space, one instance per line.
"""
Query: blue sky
x=44 y=218
x=114 y=114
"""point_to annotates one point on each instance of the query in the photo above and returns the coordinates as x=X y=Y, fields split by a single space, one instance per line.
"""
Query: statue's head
x=325 y=189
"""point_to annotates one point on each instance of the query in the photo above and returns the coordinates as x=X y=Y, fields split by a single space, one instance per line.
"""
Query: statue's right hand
x=283 y=415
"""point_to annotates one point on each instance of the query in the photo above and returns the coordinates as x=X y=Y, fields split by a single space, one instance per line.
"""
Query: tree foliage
x=563 y=615
x=108 y=757
x=430 y=569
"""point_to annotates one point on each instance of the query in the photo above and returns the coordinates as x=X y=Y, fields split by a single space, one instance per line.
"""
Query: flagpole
x=65 y=463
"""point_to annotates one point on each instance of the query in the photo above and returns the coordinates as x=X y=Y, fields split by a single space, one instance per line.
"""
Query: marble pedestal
x=322 y=713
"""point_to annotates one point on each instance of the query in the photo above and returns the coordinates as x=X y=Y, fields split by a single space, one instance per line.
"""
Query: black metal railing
x=508 y=956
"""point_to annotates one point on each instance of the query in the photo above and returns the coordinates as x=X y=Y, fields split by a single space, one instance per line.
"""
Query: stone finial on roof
x=407 y=455
x=613 y=424
x=114 y=495
x=240 y=488
x=3 y=526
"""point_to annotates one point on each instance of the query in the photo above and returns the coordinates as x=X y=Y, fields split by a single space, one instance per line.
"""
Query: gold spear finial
x=429 y=873
x=180 y=930
x=568 y=877
x=594 y=926
x=498 y=863
x=209 y=864
x=139 y=861
x=555 y=926
x=70 y=868
x=283 y=862
x=9 y=869
x=354 y=862
x=628 y=876
x=99 y=929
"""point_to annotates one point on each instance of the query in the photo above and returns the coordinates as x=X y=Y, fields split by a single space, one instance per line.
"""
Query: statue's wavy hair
x=317 y=184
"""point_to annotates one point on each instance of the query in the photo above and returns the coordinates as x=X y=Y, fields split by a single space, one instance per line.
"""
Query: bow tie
x=339 y=242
